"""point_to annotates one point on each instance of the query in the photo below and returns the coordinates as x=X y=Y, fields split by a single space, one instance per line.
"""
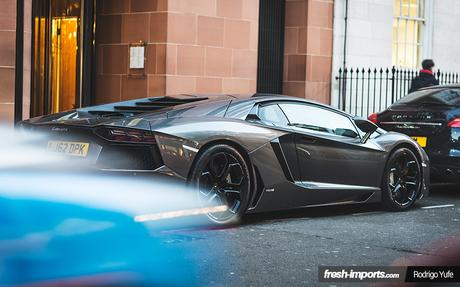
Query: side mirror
x=253 y=117
x=366 y=126
x=346 y=133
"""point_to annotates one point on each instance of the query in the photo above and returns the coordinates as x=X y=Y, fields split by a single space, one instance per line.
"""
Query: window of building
x=408 y=25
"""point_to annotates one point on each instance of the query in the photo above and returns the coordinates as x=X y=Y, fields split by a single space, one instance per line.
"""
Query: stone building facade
x=80 y=52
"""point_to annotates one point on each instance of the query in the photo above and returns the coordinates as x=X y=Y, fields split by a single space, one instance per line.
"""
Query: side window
x=272 y=114
x=319 y=120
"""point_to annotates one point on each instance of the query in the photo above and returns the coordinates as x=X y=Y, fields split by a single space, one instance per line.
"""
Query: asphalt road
x=286 y=248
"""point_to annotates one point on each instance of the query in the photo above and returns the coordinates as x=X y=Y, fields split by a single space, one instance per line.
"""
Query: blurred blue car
x=58 y=229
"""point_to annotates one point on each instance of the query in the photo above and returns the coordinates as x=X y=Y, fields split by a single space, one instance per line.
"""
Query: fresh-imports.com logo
x=361 y=275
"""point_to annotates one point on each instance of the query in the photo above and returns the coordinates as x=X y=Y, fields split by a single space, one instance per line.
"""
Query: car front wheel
x=402 y=180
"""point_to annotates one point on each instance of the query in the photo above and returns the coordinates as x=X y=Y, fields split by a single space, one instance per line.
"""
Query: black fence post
x=351 y=90
x=362 y=91
x=375 y=89
x=438 y=76
x=387 y=78
x=393 y=96
x=380 y=87
x=357 y=90
x=339 y=78
x=344 y=88
x=368 y=89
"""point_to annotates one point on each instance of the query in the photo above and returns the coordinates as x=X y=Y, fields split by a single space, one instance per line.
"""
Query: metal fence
x=364 y=91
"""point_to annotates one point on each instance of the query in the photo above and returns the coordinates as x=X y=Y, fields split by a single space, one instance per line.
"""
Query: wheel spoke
x=218 y=165
x=397 y=191
x=213 y=197
x=205 y=192
x=236 y=206
x=404 y=193
x=411 y=183
x=225 y=176
x=234 y=175
x=396 y=172
x=232 y=191
x=411 y=164
x=206 y=179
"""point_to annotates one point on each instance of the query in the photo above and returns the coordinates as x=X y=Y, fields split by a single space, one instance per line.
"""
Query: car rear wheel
x=222 y=178
x=402 y=180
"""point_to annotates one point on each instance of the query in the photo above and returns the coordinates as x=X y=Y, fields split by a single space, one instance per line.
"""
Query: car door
x=329 y=149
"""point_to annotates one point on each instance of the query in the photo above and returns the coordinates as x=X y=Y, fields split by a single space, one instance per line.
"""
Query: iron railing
x=360 y=91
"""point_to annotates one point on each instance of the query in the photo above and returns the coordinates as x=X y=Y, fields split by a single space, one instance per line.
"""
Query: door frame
x=86 y=76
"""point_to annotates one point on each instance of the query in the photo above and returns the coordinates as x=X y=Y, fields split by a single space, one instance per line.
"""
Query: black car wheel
x=402 y=180
x=222 y=177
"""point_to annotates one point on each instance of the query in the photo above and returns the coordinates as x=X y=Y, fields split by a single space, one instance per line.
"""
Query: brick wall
x=194 y=46
x=119 y=23
x=212 y=46
x=308 y=49
x=7 y=62
x=7 y=59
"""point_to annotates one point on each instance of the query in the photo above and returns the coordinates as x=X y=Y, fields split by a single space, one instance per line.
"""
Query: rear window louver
x=145 y=106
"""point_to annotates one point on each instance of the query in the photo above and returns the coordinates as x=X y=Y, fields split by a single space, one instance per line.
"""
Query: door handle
x=307 y=139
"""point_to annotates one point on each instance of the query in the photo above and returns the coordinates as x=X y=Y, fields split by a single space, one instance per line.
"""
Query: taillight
x=373 y=118
x=126 y=135
x=455 y=123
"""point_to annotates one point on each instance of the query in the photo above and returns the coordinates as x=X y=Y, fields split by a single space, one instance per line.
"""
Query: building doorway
x=64 y=53
x=61 y=51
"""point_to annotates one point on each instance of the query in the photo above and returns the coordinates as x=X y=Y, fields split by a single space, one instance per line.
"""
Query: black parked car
x=253 y=154
x=431 y=116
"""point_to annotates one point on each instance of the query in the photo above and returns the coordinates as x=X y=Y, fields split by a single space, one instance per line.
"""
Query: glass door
x=64 y=53
x=58 y=54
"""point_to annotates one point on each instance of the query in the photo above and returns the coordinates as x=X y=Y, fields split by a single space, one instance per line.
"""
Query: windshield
x=441 y=96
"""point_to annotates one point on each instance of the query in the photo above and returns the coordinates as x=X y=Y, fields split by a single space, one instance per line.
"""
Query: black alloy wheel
x=222 y=178
x=402 y=180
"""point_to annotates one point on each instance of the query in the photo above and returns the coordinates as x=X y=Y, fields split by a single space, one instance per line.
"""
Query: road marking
x=438 y=206
x=367 y=213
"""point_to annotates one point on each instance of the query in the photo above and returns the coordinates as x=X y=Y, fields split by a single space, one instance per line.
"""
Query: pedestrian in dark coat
x=425 y=77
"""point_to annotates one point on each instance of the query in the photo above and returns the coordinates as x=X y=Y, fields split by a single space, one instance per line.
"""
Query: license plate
x=420 y=140
x=69 y=148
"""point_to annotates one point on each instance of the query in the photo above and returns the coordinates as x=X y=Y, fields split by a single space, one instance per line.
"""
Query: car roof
x=256 y=98
x=450 y=86
x=266 y=97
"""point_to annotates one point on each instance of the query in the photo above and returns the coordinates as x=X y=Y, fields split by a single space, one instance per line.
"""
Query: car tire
x=402 y=180
x=221 y=176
